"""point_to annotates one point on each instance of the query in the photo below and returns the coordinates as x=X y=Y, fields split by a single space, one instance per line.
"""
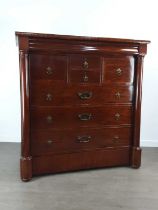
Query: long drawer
x=45 y=118
x=48 y=93
x=81 y=160
x=58 y=141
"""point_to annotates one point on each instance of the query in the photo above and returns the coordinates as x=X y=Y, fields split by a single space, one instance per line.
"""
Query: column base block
x=136 y=157
x=26 y=168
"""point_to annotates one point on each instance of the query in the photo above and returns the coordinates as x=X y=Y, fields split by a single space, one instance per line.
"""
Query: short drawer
x=118 y=69
x=46 y=118
x=48 y=67
x=48 y=93
x=85 y=62
x=87 y=77
x=58 y=141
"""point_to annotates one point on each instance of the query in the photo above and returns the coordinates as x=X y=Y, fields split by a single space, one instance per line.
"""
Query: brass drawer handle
x=49 y=97
x=117 y=116
x=85 y=116
x=49 y=119
x=118 y=95
x=49 y=70
x=83 y=139
x=116 y=139
x=49 y=141
x=119 y=72
x=85 y=64
x=85 y=95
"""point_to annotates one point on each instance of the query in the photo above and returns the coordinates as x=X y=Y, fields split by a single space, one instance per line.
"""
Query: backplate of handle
x=119 y=71
x=85 y=116
x=49 y=141
x=85 y=64
x=116 y=139
x=117 y=116
x=83 y=139
x=49 y=97
x=49 y=70
x=49 y=119
x=85 y=95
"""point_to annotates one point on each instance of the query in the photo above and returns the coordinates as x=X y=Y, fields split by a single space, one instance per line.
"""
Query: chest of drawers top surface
x=81 y=102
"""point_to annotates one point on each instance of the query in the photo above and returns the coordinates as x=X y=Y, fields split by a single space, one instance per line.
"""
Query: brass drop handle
x=49 y=119
x=49 y=70
x=85 y=64
x=118 y=95
x=85 y=95
x=116 y=139
x=119 y=71
x=49 y=97
x=117 y=116
x=49 y=141
x=83 y=139
x=85 y=116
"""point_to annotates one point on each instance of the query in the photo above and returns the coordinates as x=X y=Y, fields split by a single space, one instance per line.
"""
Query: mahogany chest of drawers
x=80 y=102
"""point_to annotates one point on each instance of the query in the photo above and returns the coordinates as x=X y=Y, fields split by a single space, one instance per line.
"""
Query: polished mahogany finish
x=53 y=94
x=80 y=102
x=48 y=67
x=45 y=142
x=95 y=158
x=119 y=69
x=74 y=116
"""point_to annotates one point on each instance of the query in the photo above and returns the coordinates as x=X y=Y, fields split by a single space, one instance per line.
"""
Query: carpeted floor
x=102 y=189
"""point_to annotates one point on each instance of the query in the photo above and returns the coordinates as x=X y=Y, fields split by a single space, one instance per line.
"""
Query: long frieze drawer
x=118 y=69
x=48 y=67
x=81 y=160
x=45 y=93
x=46 y=118
x=85 y=62
x=58 y=141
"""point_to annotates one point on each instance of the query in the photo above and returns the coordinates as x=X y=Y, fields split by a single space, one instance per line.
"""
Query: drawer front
x=81 y=160
x=84 y=77
x=85 y=62
x=48 y=67
x=84 y=69
x=46 y=93
x=80 y=116
x=56 y=141
x=118 y=69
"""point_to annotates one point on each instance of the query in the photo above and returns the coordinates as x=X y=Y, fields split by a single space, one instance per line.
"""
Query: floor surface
x=101 y=189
